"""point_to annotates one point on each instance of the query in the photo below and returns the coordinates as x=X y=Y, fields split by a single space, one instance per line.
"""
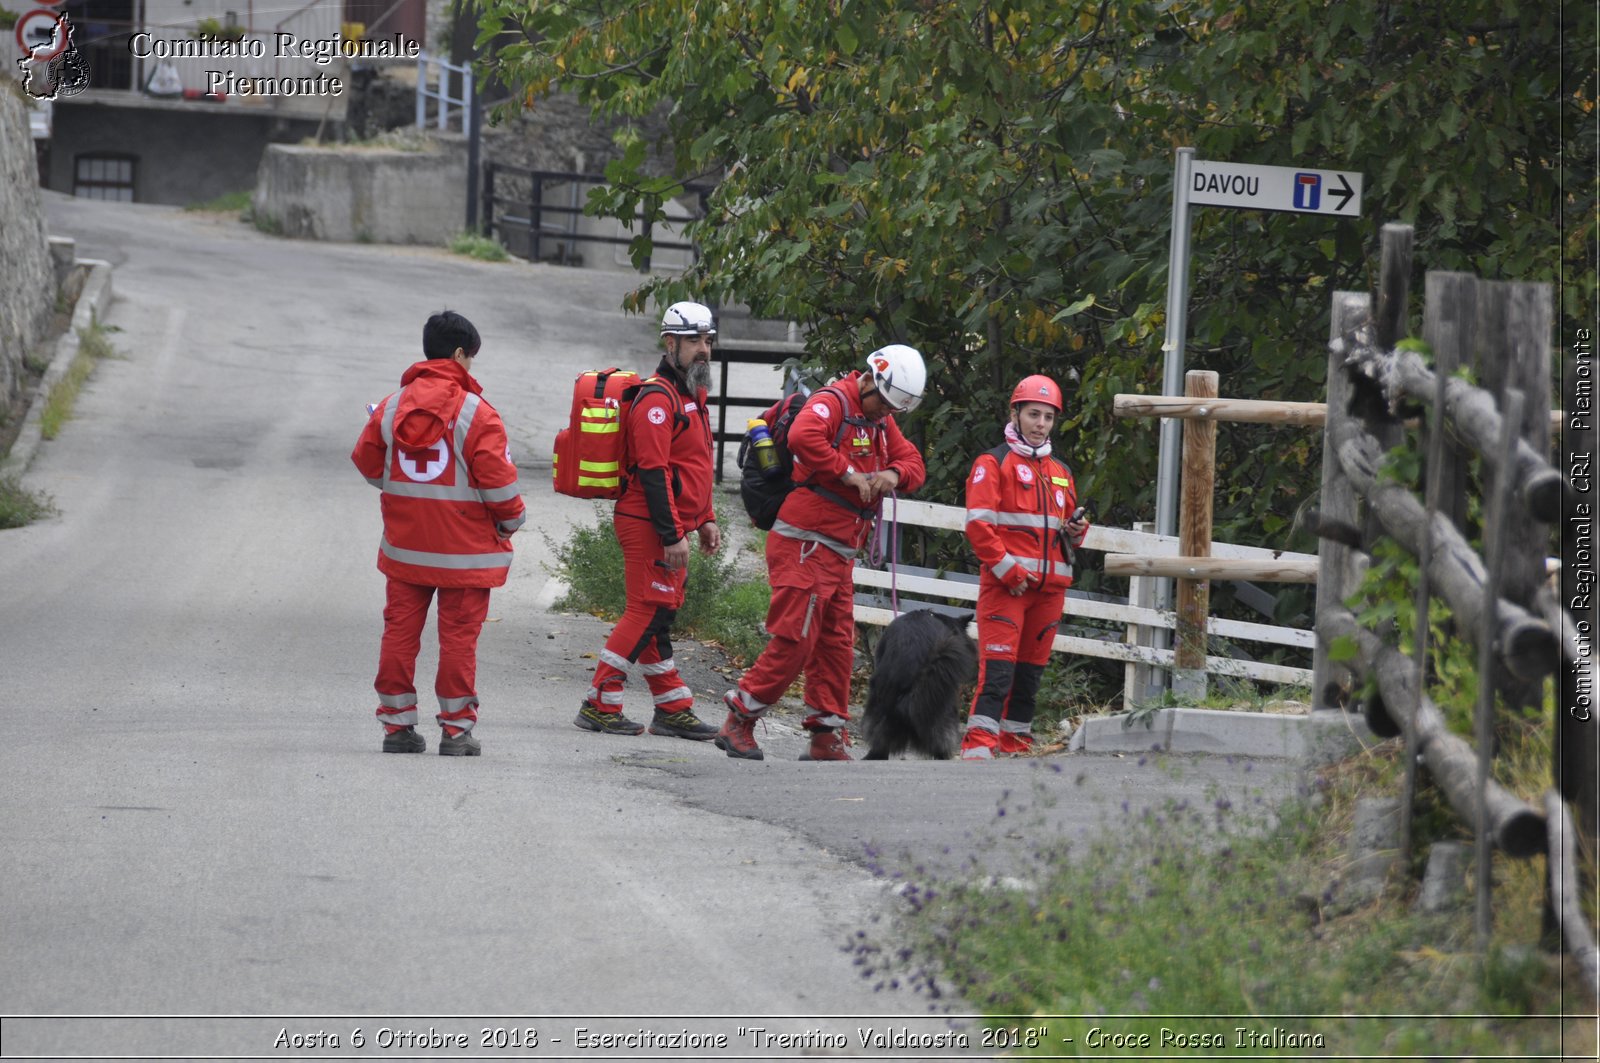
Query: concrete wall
x=184 y=152
x=27 y=278
x=385 y=196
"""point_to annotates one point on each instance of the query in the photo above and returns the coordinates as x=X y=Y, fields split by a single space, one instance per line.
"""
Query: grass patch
x=92 y=347
x=231 y=203
x=720 y=608
x=1209 y=913
x=20 y=506
x=480 y=247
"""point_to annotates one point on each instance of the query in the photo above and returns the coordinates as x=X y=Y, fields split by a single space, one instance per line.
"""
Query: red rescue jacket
x=438 y=452
x=668 y=462
x=865 y=447
x=1017 y=513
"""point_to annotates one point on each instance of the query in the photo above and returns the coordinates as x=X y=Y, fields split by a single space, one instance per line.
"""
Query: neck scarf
x=1021 y=448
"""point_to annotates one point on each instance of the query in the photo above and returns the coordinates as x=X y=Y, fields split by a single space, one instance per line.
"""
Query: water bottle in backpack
x=763 y=452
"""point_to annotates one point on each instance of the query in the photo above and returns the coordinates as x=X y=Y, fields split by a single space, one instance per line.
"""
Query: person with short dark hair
x=451 y=502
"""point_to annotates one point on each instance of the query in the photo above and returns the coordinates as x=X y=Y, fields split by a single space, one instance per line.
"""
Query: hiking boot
x=1013 y=744
x=683 y=724
x=405 y=740
x=607 y=723
x=979 y=745
x=828 y=744
x=738 y=734
x=461 y=745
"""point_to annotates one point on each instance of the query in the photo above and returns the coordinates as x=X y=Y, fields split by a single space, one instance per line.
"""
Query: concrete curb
x=1318 y=737
x=93 y=300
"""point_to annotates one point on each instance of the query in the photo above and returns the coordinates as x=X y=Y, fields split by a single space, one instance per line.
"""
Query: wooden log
x=1337 y=505
x=1474 y=418
x=1194 y=522
x=1566 y=899
x=1525 y=643
x=1450 y=327
x=1389 y=316
x=1209 y=568
x=1515 y=827
x=1243 y=411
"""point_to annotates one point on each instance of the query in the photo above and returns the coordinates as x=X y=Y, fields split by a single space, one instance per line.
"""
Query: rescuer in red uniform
x=451 y=502
x=666 y=498
x=847 y=456
x=1021 y=502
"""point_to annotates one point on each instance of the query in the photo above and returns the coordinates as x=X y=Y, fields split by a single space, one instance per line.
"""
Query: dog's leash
x=875 y=553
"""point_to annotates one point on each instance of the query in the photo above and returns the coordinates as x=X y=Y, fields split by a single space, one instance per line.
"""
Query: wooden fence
x=1134 y=619
x=1499 y=602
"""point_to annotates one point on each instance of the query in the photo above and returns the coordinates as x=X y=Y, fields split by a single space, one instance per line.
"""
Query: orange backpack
x=589 y=453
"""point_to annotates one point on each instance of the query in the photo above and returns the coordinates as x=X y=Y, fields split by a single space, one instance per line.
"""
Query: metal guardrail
x=449 y=104
x=520 y=218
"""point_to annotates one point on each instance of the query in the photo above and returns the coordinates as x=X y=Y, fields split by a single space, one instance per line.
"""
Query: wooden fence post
x=1513 y=352
x=1331 y=681
x=1194 y=538
x=1450 y=328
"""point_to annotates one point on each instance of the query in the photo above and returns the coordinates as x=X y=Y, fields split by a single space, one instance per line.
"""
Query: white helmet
x=688 y=319
x=899 y=375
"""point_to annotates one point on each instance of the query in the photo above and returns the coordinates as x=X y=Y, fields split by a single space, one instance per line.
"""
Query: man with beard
x=666 y=496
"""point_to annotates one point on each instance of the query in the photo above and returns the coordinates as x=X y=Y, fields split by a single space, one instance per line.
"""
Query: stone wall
x=27 y=278
x=384 y=196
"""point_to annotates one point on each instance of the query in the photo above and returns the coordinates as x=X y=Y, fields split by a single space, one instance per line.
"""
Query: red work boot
x=738 y=735
x=828 y=743
x=1016 y=743
x=978 y=744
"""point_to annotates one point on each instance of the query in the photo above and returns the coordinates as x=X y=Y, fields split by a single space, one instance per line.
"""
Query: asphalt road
x=196 y=817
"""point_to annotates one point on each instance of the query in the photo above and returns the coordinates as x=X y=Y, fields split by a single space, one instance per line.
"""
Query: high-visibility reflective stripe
x=1033 y=564
x=501 y=494
x=408 y=718
x=457 y=704
x=611 y=697
x=751 y=705
x=499 y=559
x=508 y=526
x=599 y=466
x=397 y=701
x=1013 y=520
x=1004 y=565
x=1060 y=481
x=599 y=481
x=660 y=667
x=784 y=528
x=438 y=492
x=1026 y=520
x=615 y=660
x=1016 y=727
x=375 y=482
x=604 y=428
x=980 y=722
x=675 y=694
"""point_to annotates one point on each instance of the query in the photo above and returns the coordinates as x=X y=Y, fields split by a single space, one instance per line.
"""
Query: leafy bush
x=480 y=247
x=719 y=608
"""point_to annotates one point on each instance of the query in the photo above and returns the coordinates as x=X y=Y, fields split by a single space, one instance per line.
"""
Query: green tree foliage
x=991 y=182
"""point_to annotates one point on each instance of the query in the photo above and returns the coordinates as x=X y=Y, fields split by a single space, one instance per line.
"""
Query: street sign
x=1293 y=189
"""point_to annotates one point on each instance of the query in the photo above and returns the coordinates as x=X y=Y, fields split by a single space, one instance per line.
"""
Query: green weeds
x=92 y=347
x=20 y=506
x=478 y=246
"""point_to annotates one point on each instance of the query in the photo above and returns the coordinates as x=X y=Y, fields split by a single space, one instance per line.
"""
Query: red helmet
x=1037 y=388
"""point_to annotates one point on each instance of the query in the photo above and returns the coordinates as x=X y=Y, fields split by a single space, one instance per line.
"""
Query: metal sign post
x=1288 y=189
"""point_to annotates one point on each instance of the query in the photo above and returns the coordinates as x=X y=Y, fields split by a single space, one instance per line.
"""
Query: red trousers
x=462 y=611
x=1015 y=635
x=812 y=623
x=643 y=634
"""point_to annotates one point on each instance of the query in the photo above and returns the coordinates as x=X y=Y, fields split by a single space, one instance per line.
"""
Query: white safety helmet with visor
x=899 y=375
x=688 y=319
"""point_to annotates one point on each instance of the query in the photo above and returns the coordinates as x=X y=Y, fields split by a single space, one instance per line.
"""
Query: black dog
x=920 y=665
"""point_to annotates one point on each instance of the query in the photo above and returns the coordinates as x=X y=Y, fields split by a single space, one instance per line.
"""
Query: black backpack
x=763 y=496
